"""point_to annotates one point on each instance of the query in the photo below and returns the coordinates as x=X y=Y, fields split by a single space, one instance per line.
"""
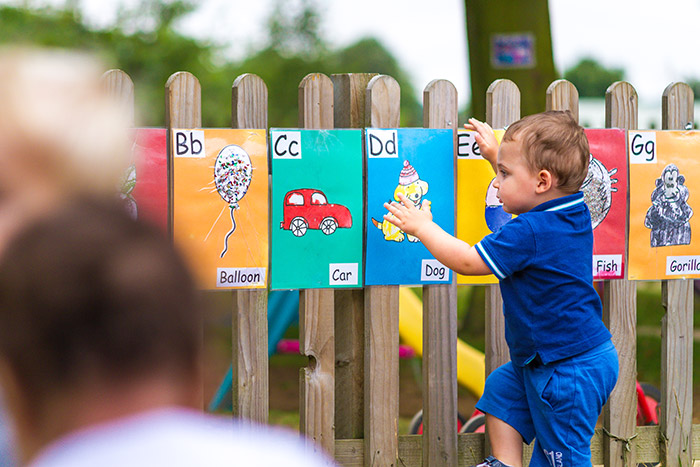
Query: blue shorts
x=556 y=403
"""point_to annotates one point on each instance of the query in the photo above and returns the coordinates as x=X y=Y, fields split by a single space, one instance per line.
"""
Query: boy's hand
x=488 y=144
x=407 y=217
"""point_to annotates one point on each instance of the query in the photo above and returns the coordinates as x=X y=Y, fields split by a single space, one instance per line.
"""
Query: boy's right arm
x=448 y=250
x=486 y=139
x=454 y=253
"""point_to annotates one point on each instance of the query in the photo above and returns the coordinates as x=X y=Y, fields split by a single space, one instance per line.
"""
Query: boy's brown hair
x=553 y=141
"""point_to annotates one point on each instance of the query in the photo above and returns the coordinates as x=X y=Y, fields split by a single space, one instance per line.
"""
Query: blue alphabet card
x=418 y=163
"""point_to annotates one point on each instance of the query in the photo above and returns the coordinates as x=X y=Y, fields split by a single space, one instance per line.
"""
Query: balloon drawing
x=233 y=173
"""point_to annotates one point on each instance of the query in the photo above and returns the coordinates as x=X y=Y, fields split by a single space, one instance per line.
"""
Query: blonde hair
x=60 y=119
x=553 y=141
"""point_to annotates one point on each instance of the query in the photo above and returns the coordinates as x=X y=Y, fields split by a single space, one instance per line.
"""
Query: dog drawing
x=413 y=188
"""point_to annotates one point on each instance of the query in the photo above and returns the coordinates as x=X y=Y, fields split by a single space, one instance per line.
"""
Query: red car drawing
x=308 y=208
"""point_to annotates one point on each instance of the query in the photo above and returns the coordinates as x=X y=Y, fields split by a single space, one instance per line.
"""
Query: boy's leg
x=565 y=400
x=506 y=442
x=508 y=419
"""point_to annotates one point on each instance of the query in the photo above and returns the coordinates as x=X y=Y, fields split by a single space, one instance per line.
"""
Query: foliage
x=591 y=78
x=694 y=84
x=145 y=43
x=365 y=56
x=368 y=55
x=295 y=32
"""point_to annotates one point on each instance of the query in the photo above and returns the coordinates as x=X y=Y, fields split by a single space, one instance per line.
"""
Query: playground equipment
x=470 y=362
x=282 y=311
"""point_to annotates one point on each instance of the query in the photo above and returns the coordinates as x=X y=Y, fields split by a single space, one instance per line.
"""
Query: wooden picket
x=316 y=323
x=349 y=112
x=183 y=109
x=620 y=315
x=677 y=325
x=349 y=391
x=502 y=109
x=440 y=318
x=382 y=316
x=250 y=380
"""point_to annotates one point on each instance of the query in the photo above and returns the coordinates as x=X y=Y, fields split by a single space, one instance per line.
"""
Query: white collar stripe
x=565 y=205
x=490 y=262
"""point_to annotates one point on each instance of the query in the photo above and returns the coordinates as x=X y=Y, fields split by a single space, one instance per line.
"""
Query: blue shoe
x=491 y=462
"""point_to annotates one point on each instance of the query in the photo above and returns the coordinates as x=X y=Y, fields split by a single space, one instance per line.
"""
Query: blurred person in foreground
x=61 y=135
x=100 y=352
x=99 y=320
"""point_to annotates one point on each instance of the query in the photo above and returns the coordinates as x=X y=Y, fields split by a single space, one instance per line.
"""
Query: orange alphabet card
x=220 y=205
x=664 y=193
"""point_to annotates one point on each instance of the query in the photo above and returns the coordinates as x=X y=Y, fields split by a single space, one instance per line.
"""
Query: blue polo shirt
x=544 y=261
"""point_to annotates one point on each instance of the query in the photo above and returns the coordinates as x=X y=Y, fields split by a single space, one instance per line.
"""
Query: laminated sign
x=418 y=163
x=316 y=208
x=479 y=211
x=145 y=185
x=605 y=193
x=664 y=201
x=220 y=213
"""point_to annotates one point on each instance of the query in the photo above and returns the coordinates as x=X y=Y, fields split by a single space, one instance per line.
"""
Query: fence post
x=440 y=318
x=183 y=109
x=562 y=95
x=382 y=316
x=349 y=112
x=250 y=381
x=677 y=324
x=620 y=314
x=119 y=85
x=502 y=108
x=316 y=327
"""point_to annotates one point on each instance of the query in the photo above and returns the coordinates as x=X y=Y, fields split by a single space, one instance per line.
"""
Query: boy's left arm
x=449 y=250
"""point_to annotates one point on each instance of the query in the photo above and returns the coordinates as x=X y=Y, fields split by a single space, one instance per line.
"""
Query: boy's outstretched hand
x=485 y=138
x=407 y=217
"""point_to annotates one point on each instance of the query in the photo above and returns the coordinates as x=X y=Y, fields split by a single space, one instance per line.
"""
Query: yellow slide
x=470 y=362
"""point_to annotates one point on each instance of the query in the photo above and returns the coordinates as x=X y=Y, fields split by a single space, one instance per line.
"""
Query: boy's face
x=515 y=182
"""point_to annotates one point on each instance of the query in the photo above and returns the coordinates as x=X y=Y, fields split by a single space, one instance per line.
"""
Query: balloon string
x=233 y=227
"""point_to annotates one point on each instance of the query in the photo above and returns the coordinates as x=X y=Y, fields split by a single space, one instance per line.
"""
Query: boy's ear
x=545 y=181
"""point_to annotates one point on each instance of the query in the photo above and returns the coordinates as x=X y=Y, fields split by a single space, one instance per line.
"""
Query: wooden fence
x=349 y=391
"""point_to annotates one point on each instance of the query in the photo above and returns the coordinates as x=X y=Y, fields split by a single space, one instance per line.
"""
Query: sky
x=653 y=42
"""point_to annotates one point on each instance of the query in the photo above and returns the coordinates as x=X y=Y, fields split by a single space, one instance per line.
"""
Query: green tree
x=368 y=55
x=149 y=55
x=591 y=78
x=294 y=28
x=145 y=43
x=694 y=84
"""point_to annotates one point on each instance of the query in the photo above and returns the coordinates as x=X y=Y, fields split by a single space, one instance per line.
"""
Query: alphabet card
x=479 y=211
x=316 y=208
x=220 y=205
x=664 y=196
x=605 y=192
x=145 y=185
x=418 y=163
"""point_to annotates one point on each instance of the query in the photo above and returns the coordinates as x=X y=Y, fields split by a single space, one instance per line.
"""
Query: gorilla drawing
x=669 y=214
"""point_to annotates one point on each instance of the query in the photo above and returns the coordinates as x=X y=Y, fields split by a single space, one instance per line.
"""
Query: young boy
x=563 y=364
